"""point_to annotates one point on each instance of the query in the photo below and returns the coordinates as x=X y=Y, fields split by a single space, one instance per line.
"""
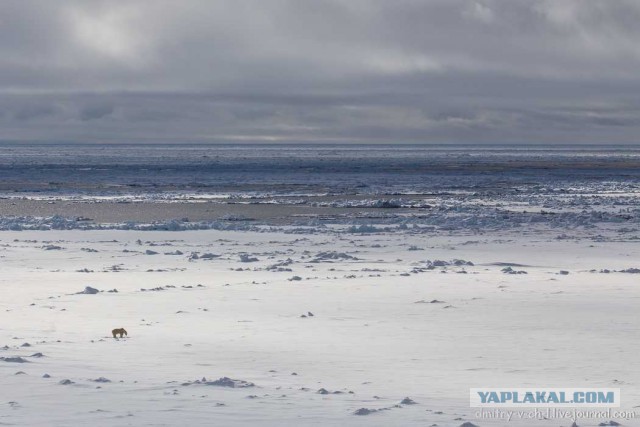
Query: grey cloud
x=33 y=111
x=325 y=70
x=96 y=111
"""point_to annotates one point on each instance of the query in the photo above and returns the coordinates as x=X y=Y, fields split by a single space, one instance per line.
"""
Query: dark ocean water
x=308 y=169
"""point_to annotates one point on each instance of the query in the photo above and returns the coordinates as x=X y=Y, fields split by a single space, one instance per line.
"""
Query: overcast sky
x=383 y=71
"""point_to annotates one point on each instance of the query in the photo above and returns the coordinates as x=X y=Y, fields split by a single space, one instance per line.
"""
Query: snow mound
x=509 y=270
x=223 y=382
x=88 y=291
x=453 y=262
x=52 y=248
x=228 y=382
x=16 y=359
x=176 y=252
x=331 y=256
x=365 y=411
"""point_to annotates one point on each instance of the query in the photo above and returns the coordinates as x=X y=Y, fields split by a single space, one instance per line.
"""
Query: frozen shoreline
x=565 y=214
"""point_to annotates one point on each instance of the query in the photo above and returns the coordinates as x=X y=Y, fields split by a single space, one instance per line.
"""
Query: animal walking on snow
x=120 y=331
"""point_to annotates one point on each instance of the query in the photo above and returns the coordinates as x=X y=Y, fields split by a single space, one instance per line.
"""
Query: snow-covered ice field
x=390 y=321
x=329 y=285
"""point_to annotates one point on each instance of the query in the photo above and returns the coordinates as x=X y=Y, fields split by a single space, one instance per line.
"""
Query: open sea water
x=64 y=168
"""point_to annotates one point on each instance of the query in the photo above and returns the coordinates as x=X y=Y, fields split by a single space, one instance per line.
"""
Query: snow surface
x=374 y=332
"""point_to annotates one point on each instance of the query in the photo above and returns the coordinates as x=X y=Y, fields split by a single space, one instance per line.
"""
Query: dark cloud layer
x=439 y=71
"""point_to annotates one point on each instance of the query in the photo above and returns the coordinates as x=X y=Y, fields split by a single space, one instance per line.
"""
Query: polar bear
x=120 y=331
